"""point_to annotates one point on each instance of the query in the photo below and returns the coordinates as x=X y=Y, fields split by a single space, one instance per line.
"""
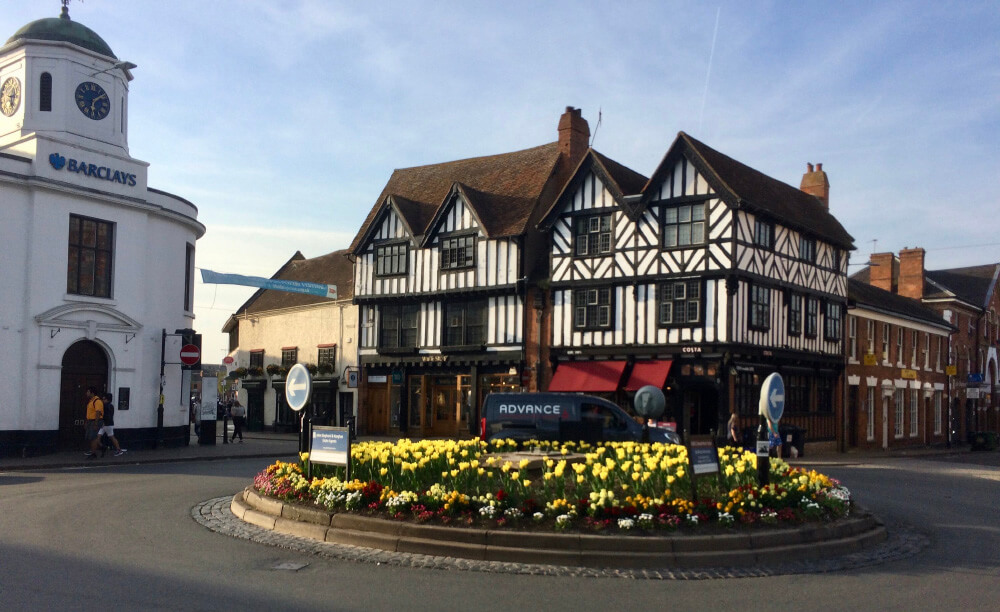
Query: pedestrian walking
x=239 y=413
x=107 y=430
x=94 y=421
x=734 y=425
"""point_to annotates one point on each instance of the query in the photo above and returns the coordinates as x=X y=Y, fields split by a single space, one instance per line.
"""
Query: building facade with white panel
x=700 y=280
x=98 y=265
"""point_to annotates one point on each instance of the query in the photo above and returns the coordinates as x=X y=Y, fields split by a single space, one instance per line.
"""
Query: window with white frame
x=680 y=303
x=870 y=328
x=592 y=308
x=684 y=225
x=760 y=307
x=885 y=343
x=592 y=235
x=852 y=335
x=899 y=345
x=870 y=413
x=938 y=357
x=898 y=429
x=927 y=351
x=914 y=412
x=937 y=412
x=913 y=348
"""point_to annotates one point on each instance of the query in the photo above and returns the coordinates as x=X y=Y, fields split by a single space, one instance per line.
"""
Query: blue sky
x=282 y=121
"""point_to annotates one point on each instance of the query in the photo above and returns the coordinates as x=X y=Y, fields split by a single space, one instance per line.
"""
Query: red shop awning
x=587 y=376
x=653 y=372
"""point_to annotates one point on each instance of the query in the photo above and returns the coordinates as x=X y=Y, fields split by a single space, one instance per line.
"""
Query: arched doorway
x=85 y=364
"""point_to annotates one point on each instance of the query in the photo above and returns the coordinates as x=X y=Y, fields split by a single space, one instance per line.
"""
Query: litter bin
x=792 y=435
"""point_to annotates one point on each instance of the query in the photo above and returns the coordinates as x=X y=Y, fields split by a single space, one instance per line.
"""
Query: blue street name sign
x=298 y=386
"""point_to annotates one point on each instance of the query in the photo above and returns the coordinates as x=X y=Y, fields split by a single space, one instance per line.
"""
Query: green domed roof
x=63 y=29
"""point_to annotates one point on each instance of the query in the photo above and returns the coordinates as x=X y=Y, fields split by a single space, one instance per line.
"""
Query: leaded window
x=680 y=303
x=465 y=323
x=794 y=314
x=592 y=308
x=398 y=325
x=760 y=307
x=326 y=355
x=684 y=225
x=289 y=356
x=458 y=252
x=592 y=235
x=832 y=322
x=807 y=249
x=763 y=234
x=257 y=359
x=812 y=317
x=91 y=254
x=392 y=259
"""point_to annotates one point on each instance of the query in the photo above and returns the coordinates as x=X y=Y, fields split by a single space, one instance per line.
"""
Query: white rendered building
x=97 y=266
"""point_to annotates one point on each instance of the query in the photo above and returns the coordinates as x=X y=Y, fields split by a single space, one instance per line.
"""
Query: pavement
x=285 y=446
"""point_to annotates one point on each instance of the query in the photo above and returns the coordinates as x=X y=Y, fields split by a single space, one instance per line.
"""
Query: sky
x=282 y=120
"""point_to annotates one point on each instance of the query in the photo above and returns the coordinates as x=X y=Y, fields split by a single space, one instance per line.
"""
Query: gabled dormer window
x=684 y=225
x=763 y=234
x=680 y=303
x=592 y=235
x=392 y=259
x=458 y=252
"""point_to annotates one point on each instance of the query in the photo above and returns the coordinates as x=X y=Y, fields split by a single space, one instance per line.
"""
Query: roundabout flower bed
x=617 y=486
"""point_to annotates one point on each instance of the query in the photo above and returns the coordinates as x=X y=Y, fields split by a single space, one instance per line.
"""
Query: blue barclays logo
x=93 y=170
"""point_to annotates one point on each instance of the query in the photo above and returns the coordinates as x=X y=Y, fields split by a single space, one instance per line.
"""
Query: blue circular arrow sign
x=298 y=386
x=772 y=397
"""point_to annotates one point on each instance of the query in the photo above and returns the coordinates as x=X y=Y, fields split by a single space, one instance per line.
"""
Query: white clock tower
x=97 y=268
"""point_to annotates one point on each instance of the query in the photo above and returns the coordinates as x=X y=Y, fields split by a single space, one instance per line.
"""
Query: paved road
x=122 y=537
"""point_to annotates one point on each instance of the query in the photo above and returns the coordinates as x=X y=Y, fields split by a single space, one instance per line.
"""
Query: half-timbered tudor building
x=445 y=264
x=897 y=354
x=701 y=280
x=969 y=299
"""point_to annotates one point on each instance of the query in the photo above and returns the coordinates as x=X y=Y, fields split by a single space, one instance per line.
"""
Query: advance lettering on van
x=551 y=409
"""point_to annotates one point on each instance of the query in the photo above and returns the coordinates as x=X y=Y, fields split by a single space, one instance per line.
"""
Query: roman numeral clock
x=10 y=96
x=92 y=100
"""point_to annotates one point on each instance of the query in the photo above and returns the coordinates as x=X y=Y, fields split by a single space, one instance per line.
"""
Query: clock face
x=10 y=96
x=92 y=100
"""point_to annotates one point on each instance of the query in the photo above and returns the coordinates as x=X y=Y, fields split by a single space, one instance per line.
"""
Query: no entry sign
x=190 y=354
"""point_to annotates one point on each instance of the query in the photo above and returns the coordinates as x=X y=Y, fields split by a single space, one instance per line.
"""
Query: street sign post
x=298 y=387
x=771 y=406
x=190 y=354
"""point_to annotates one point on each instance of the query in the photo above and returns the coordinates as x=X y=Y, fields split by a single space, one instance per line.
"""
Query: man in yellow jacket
x=95 y=418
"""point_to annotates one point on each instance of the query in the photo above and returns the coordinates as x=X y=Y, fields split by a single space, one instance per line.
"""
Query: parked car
x=562 y=417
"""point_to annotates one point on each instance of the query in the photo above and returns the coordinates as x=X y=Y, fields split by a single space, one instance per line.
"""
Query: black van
x=562 y=417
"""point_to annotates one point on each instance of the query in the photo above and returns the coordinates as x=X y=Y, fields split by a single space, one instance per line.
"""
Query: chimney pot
x=815 y=183
x=809 y=166
x=819 y=167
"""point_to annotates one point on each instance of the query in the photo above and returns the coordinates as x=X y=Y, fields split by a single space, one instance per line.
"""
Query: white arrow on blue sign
x=298 y=386
x=772 y=397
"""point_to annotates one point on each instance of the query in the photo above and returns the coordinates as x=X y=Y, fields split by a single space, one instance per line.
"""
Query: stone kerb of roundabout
x=740 y=548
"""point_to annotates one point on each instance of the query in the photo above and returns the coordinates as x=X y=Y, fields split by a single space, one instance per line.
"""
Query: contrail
x=708 y=76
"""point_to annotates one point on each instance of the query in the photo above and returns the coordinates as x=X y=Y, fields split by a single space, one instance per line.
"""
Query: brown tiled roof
x=861 y=293
x=514 y=181
x=627 y=180
x=330 y=269
x=779 y=201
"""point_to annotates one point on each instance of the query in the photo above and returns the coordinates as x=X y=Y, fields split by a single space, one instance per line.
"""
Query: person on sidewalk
x=239 y=413
x=108 y=429
x=95 y=418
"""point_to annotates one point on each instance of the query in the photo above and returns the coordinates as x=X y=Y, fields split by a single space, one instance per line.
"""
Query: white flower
x=626 y=523
x=538 y=517
x=487 y=511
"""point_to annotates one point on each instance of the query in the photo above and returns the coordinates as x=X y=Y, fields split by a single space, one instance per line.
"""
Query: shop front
x=431 y=399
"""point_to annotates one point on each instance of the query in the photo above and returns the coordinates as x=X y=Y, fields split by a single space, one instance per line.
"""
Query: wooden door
x=377 y=407
x=84 y=365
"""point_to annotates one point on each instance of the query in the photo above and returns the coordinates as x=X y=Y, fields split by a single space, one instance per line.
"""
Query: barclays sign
x=121 y=177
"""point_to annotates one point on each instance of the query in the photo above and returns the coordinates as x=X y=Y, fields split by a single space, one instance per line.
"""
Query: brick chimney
x=574 y=135
x=911 y=273
x=882 y=273
x=814 y=182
